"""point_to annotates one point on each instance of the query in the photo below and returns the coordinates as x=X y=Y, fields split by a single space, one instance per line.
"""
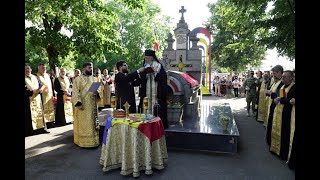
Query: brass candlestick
x=126 y=107
x=113 y=102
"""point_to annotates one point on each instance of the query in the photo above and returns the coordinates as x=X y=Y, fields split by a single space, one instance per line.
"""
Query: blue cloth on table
x=106 y=128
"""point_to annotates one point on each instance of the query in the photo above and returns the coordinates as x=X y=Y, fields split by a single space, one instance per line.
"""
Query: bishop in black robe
x=161 y=79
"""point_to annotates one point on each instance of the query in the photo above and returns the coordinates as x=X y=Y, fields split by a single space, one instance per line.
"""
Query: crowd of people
x=280 y=120
x=270 y=98
x=53 y=101
x=226 y=87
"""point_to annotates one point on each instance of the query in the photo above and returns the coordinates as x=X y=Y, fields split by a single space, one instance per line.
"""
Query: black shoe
x=50 y=125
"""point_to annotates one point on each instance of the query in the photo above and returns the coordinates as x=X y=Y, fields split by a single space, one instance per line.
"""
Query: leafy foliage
x=280 y=21
x=136 y=29
x=68 y=32
x=34 y=55
x=245 y=29
x=235 y=43
x=90 y=21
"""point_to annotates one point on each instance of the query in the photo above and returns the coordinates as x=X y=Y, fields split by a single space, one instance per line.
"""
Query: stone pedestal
x=215 y=131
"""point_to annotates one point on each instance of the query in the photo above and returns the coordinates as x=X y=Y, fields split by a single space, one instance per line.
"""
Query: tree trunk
x=52 y=56
x=52 y=27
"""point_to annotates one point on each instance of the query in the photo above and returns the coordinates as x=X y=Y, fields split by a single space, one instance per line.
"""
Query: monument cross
x=181 y=66
x=182 y=10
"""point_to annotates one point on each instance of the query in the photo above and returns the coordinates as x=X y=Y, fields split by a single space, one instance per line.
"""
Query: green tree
x=235 y=43
x=136 y=28
x=34 y=55
x=90 y=23
x=282 y=28
x=279 y=22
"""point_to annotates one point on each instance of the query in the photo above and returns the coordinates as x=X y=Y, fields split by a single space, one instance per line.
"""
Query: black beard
x=88 y=73
x=124 y=71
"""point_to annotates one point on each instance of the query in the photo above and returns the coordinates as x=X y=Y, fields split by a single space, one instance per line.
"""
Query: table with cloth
x=133 y=145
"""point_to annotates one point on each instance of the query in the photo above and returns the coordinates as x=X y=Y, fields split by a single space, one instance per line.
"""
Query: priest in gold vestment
x=262 y=106
x=98 y=78
x=106 y=81
x=46 y=95
x=85 y=125
x=34 y=122
x=272 y=94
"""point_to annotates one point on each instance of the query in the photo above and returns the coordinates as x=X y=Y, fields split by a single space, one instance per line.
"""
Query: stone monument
x=183 y=66
x=183 y=58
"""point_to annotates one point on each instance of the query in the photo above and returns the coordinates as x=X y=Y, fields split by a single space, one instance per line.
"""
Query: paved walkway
x=54 y=156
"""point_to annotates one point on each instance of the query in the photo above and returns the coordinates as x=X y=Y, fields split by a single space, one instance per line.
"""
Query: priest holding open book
x=84 y=97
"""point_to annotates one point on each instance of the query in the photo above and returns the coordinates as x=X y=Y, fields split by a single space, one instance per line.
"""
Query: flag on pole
x=155 y=42
x=154 y=31
x=155 y=45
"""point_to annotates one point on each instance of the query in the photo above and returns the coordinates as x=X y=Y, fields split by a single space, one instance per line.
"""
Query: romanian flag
x=283 y=92
x=43 y=88
x=155 y=42
x=155 y=45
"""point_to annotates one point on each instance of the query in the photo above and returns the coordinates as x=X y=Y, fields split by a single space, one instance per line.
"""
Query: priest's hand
x=276 y=100
x=268 y=92
x=293 y=101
